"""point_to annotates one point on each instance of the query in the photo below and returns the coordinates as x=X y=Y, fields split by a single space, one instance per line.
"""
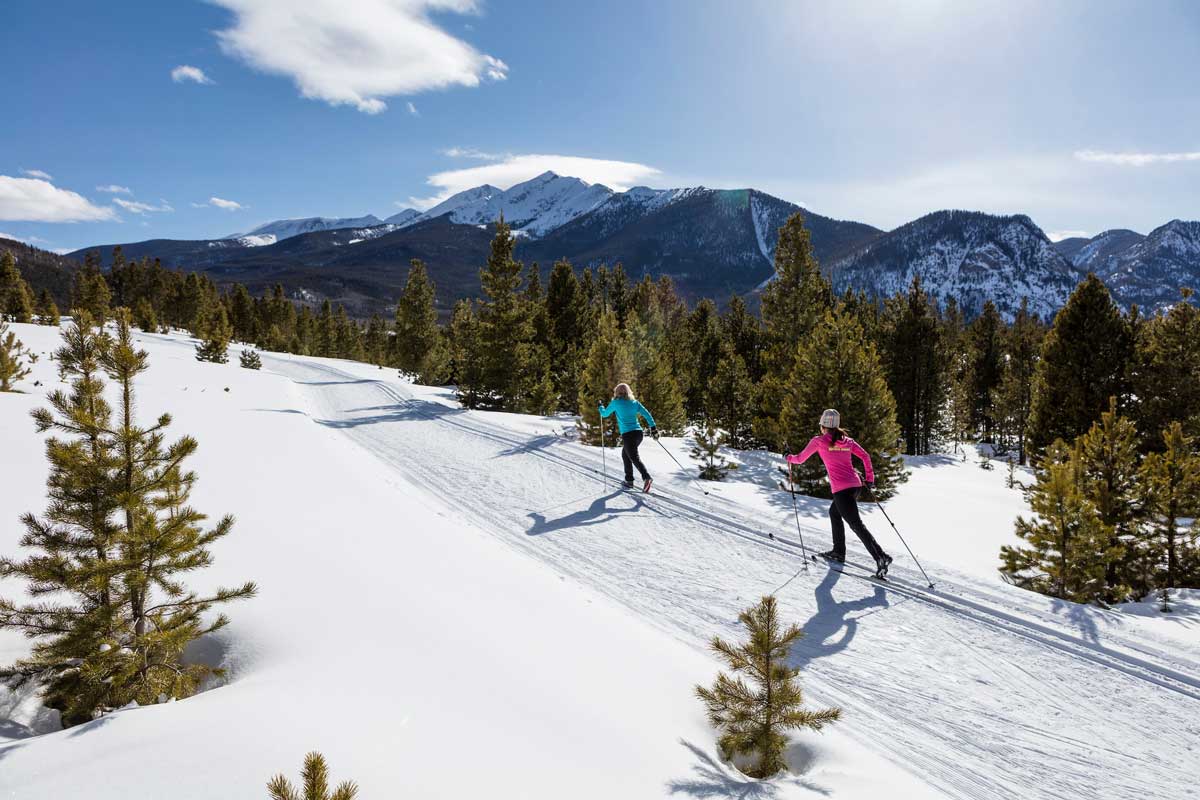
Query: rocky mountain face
x=1146 y=270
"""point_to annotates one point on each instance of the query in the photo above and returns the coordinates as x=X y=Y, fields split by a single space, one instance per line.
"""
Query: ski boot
x=627 y=485
x=881 y=565
x=646 y=485
x=834 y=556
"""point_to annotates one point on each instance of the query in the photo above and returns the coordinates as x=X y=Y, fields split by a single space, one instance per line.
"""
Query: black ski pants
x=844 y=509
x=630 y=440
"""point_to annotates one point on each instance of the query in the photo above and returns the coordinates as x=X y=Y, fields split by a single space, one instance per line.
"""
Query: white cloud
x=219 y=202
x=36 y=200
x=1058 y=236
x=186 y=72
x=34 y=240
x=1134 y=159
x=412 y=109
x=136 y=207
x=471 y=152
x=113 y=188
x=37 y=173
x=512 y=169
x=356 y=52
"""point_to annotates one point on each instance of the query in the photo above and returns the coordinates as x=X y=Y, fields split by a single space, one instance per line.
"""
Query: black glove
x=654 y=431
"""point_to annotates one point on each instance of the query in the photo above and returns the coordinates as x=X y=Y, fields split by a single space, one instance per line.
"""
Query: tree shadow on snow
x=711 y=778
x=597 y=513
x=831 y=629
x=1082 y=617
x=397 y=412
x=536 y=444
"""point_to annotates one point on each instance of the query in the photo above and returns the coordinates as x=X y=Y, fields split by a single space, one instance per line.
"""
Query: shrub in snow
x=250 y=360
x=753 y=718
x=115 y=540
x=315 y=776
x=14 y=358
x=708 y=442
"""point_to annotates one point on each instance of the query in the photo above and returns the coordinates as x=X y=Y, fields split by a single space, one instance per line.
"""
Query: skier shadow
x=711 y=778
x=831 y=629
x=597 y=513
x=534 y=445
x=400 y=412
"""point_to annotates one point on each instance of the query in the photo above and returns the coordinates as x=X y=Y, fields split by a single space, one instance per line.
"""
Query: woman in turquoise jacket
x=627 y=410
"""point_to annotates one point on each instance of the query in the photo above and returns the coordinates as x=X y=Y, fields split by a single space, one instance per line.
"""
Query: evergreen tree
x=1165 y=384
x=376 y=341
x=14 y=358
x=1013 y=398
x=731 y=398
x=742 y=332
x=566 y=312
x=793 y=305
x=325 y=333
x=1170 y=486
x=654 y=376
x=47 y=310
x=90 y=291
x=217 y=333
x=838 y=367
x=241 y=314
x=958 y=374
x=250 y=359
x=467 y=354
x=76 y=564
x=703 y=334
x=1068 y=546
x=984 y=341
x=753 y=719
x=315 y=777
x=16 y=304
x=706 y=448
x=1107 y=472
x=608 y=363
x=1084 y=361
x=416 y=321
x=505 y=326
x=916 y=371
x=144 y=316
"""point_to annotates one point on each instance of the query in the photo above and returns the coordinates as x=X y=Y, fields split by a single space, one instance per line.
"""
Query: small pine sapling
x=14 y=359
x=316 y=783
x=1011 y=480
x=985 y=460
x=706 y=449
x=250 y=359
x=217 y=335
x=753 y=719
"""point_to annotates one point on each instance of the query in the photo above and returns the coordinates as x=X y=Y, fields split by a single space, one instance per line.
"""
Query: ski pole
x=603 y=458
x=676 y=460
x=897 y=530
x=796 y=511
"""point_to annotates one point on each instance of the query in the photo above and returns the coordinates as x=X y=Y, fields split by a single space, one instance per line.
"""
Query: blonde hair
x=623 y=390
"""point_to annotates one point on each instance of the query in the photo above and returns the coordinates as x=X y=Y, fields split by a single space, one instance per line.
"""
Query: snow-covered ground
x=455 y=604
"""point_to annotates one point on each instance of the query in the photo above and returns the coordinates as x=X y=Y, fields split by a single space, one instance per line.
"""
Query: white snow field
x=452 y=604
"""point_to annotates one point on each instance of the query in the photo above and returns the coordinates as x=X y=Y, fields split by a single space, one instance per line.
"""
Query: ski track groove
x=939 y=721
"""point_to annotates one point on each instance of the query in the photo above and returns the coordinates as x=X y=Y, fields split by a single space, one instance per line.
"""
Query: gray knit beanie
x=830 y=419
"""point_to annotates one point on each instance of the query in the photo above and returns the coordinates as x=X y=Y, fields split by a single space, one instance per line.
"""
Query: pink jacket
x=837 y=460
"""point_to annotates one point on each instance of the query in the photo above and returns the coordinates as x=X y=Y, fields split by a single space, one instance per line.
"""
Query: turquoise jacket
x=627 y=413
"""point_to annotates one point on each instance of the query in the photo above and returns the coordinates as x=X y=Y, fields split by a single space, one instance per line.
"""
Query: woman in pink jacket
x=835 y=449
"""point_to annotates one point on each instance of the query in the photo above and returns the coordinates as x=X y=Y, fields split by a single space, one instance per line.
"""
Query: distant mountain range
x=712 y=243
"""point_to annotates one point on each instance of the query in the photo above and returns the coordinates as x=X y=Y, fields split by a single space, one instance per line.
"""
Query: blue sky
x=1084 y=115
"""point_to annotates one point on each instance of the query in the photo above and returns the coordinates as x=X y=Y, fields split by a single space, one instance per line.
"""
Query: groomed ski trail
x=981 y=697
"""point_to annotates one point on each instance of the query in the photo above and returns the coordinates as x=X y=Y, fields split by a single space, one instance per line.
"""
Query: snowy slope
x=536 y=206
x=560 y=625
x=282 y=229
x=403 y=218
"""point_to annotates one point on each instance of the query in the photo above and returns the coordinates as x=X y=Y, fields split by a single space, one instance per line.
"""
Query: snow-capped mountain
x=1091 y=255
x=968 y=255
x=405 y=217
x=280 y=229
x=1146 y=270
x=536 y=206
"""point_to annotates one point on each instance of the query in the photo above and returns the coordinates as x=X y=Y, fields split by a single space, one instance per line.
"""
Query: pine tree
x=1084 y=361
x=742 y=331
x=376 y=341
x=241 y=314
x=706 y=448
x=1013 y=398
x=76 y=563
x=916 y=371
x=731 y=398
x=608 y=363
x=160 y=538
x=315 y=777
x=250 y=359
x=566 y=311
x=467 y=354
x=416 y=320
x=90 y=291
x=1168 y=350
x=325 y=332
x=984 y=342
x=15 y=302
x=1170 y=487
x=47 y=310
x=958 y=374
x=654 y=376
x=14 y=358
x=703 y=343
x=793 y=305
x=144 y=316
x=217 y=333
x=1068 y=546
x=753 y=719
x=505 y=326
x=838 y=367
x=1107 y=472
